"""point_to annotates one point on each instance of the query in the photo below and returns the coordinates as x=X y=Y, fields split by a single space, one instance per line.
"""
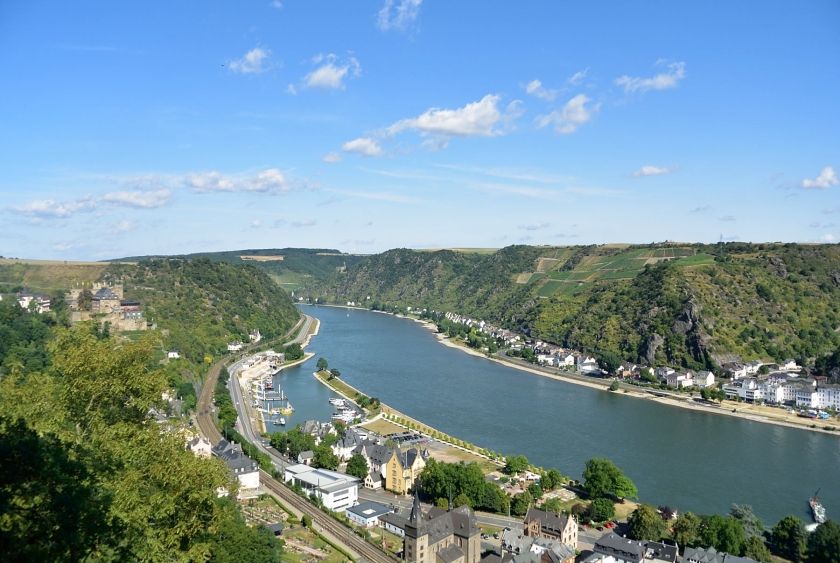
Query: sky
x=175 y=127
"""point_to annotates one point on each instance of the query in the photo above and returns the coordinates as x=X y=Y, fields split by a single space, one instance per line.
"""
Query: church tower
x=416 y=541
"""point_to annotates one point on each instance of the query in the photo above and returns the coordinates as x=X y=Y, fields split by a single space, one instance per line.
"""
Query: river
x=686 y=459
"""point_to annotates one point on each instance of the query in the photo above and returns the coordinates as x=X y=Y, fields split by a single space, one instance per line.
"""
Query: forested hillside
x=691 y=305
x=85 y=475
x=202 y=304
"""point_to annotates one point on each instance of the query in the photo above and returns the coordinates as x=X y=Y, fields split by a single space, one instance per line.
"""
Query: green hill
x=292 y=268
x=202 y=305
x=692 y=305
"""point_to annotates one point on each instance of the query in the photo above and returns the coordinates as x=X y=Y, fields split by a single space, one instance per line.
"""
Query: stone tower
x=415 y=544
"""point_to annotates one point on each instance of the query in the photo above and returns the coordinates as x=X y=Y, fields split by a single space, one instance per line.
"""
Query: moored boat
x=817 y=509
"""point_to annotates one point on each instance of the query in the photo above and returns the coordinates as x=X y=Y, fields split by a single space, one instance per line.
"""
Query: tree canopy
x=645 y=523
x=602 y=478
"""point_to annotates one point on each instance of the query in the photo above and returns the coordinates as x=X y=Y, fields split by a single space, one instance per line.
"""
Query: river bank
x=744 y=411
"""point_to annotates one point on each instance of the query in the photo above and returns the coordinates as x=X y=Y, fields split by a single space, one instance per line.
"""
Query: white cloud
x=575 y=113
x=251 y=62
x=331 y=74
x=303 y=223
x=536 y=88
x=534 y=226
x=650 y=170
x=141 y=199
x=727 y=218
x=828 y=238
x=50 y=208
x=268 y=180
x=364 y=146
x=478 y=119
x=332 y=157
x=701 y=209
x=578 y=77
x=256 y=224
x=399 y=15
x=276 y=4
x=661 y=81
x=123 y=226
x=826 y=179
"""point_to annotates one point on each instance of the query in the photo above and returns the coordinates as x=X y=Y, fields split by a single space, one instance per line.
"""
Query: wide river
x=686 y=459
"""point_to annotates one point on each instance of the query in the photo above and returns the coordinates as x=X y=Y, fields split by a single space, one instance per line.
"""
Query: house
x=612 y=548
x=200 y=447
x=254 y=336
x=173 y=354
x=318 y=430
x=544 y=524
x=710 y=555
x=663 y=372
x=441 y=536
x=347 y=445
x=373 y=480
x=735 y=370
x=394 y=523
x=337 y=491
x=42 y=302
x=789 y=365
x=518 y=547
x=306 y=457
x=566 y=360
x=234 y=346
x=245 y=469
x=627 y=370
x=703 y=379
x=680 y=380
x=367 y=514
x=401 y=470
x=753 y=367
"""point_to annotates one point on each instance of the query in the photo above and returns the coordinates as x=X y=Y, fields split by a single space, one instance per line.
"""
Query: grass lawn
x=338 y=385
x=383 y=427
x=549 y=288
x=696 y=260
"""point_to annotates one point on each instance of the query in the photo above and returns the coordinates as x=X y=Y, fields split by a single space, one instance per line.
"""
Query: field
x=290 y=281
x=263 y=258
x=605 y=264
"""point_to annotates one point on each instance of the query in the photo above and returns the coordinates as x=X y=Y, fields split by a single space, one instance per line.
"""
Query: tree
x=516 y=464
x=614 y=386
x=553 y=504
x=325 y=458
x=609 y=361
x=297 y=441
x=646 y=524
x=824 y=543
x=520 y=504
x=755 y=548
x=293 y=352
x=788 y=538
x=322 y=364
x=306 y=521
x=602 y=478
x=462 y=500
x=601 y=510
x=724 y=533
x=357 y=466
x=334 y=373
x=442 y=503
x=85 y=299
x=753 y=526
x=551 y=480
x=238 y=542
x=686 y=529
x=536 y=490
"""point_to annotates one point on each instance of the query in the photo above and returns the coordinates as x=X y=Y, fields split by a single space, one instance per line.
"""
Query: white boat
x=337 y=402
x=817 y=508
x=282 y=421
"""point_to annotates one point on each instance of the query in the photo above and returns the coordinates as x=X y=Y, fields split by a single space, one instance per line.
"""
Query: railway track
x=367 y=552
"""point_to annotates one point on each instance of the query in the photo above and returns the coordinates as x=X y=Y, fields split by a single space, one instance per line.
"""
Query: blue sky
x=190 y=126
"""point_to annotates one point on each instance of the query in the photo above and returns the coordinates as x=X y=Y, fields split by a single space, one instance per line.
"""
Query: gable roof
x=449 y=554
x=549 y=521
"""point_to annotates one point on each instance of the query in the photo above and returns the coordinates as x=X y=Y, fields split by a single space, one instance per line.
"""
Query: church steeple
x=415 y=518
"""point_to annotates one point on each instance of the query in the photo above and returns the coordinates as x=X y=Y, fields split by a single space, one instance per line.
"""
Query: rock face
x=779 y=267
x=689 y=319
x=835 y=277
x=653 y=343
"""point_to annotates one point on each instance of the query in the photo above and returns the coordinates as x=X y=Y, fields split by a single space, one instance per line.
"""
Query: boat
x=337 y=402
x=817 y=508
x=282 y=421
x=269 y=384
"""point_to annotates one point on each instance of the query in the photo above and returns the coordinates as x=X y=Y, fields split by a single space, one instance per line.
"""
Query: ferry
x=817 y=508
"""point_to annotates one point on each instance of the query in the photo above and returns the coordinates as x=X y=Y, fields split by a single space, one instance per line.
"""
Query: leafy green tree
x=755 y=548
x=297 y=441
x=686 y=529
x=645 y=523
x=84 y=300
x=724 y=533
x=601 y=510
x=462 y=500
x=824 y=543
x=322 y=364
x=614 y=386
x=306 y=520
x=551 y=480
x=753 y=526
x=788 y=538
x=536 y=491
x=293 y=352
x=325 y=458
x=442 y=503
x=279 y=442
x=357 y=466
x=602 y=478
x=238 y=542
x=516 y=464
x=553 y=504
x=520 y=503
x=334 y=373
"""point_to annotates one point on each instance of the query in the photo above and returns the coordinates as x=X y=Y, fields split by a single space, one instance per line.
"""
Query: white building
x=704 y=379
x=828 y=396
x=234 y=347
x=200 y=447
x=173 y=354
x=679 y=380
x=367 y=514
x=246 y=470
x=336 y=490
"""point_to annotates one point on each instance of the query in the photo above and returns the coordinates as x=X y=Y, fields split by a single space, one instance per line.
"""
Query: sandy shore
x=726 y=409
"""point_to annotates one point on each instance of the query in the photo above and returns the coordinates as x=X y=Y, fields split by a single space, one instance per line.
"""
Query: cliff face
x=691 y=305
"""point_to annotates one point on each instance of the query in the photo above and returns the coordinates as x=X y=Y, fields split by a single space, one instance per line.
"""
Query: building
x=394 y=523
x=710 y=555
x=42 y=302
x=105 y=300
x=234 y=346
x=612 y=548
x=704 y=379
x=402 y=469
x=337 y=491
x=543 y=524
x=520 y=548
x=173 y=354
x=200 y=447
x=441 y=536
x=367 y=514
x=246 y=470
x=679 y=380
x=306 y=457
